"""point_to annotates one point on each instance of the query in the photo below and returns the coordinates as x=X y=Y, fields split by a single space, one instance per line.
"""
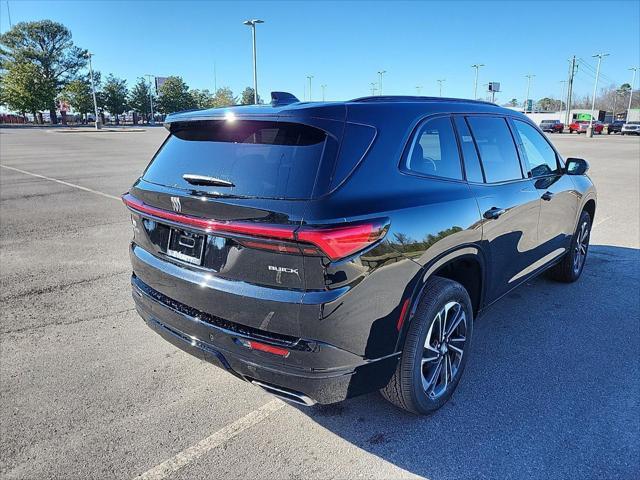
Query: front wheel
x=570 y=268
x=435 y=350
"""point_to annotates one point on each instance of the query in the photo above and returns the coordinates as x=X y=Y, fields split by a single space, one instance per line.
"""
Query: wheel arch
x=465 y=265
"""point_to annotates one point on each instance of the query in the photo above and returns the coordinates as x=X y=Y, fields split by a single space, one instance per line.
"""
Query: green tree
x=513 y=102
x=47 y=45
x=139 y=100
x=24 y=89
x=78 y=94
x=174 y=96
x=224 y=98
x=202 y=98
x=547 y=104
x=247 y=97
x=114 y=95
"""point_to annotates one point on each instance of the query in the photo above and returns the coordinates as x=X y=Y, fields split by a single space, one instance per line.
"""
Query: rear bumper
x=312 y=372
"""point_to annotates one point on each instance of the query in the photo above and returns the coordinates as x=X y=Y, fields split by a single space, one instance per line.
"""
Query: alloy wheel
x=580 y=249
x=443 y=349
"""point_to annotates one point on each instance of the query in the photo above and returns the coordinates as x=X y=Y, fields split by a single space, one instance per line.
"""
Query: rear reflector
x=263 y=347
x=335 y=242
x=403 y=314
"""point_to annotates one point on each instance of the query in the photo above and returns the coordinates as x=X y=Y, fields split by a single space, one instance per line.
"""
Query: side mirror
x=576 y=166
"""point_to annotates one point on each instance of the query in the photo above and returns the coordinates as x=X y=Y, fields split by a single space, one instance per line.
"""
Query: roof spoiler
x=283 y=98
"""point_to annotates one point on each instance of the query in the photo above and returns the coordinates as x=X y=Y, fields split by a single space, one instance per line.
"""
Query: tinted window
x=262 y=159
x=434 y=150
x=471 y=160
x=497 y=150
x=539 y=154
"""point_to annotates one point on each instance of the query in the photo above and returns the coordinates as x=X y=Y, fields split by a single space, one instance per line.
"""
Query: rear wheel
x=570 y=268
x=435 y=351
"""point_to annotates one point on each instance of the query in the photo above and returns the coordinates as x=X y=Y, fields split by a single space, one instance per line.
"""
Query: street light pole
x=153 y=118
x=526 y=100
x=93 y=92
x=252 y=24
x=373 y=88
x=633 y=81
x=323 y=87
x=309 y=77
x=475 y=84
x=599 y=56
x=440 y=84
x=381 y=74
x=418 y=88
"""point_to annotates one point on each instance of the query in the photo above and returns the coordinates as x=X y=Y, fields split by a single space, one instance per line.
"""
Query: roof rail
x=413 y=98
x=283 y=98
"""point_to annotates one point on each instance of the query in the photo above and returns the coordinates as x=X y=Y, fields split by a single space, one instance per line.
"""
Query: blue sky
x=344 y=44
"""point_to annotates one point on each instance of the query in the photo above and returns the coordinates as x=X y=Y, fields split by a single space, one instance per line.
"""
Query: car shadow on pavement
x=551 y=389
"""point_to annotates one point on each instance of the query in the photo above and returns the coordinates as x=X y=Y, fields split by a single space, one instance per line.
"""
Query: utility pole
x=93 y=91
x=323 y=88
x=440 y=84
x=599 y=56
x=309 y=77
x=633 y=81
x=373 y=88
x=475 y=84
x=252 y=24
x=215 y=78
x=418 y=88
x=381 y=74
x=526 y=100
x=153 y=118
x=564 y=84
x=572 y=71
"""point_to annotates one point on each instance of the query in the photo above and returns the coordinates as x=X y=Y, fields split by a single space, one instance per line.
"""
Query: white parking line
x=79 y=187
x=164 y=469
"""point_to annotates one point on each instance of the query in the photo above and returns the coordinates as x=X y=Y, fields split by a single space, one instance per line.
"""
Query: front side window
x=539 y=154
x=435 y=151
x=497 y=150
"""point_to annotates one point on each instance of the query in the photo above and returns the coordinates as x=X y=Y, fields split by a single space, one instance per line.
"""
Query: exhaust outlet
x=288 y=395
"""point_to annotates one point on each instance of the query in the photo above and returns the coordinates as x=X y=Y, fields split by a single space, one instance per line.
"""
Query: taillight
x=336 y=242
x=343 y=240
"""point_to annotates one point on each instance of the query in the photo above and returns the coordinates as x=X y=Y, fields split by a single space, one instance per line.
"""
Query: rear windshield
x=260 y=158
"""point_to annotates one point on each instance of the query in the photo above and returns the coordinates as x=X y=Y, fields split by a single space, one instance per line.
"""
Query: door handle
x=493 y=213
x=547 y=196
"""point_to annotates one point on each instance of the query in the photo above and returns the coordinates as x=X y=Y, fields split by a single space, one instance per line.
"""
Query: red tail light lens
x=344 y=240
x=335 y=242
x=245 y=228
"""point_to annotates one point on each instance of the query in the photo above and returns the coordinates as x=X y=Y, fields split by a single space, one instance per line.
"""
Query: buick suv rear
x=325 y=250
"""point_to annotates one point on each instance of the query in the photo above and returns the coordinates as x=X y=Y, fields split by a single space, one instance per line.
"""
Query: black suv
x=325 y=250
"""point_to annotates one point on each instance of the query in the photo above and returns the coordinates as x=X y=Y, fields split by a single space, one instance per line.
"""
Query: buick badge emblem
x=175 y=202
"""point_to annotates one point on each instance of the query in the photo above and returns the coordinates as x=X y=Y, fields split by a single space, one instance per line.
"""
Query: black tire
x=406 y=389
x=570 y=267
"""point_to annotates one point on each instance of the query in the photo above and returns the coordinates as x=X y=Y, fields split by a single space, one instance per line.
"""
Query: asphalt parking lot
x=88 y=391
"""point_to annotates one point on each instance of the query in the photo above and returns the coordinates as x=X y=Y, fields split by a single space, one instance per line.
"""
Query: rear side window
x=261 y=158
x=434 y=150
x=471 y=160
x=539 y=154
x=497 y=150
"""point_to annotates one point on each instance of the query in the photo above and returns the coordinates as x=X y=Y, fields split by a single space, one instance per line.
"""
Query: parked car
x=325 y=250
x=630 y=128
x=552 y=126
x=581 y=126
x=614 y=127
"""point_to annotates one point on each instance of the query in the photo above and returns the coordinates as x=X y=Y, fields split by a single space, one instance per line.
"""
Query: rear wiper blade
x=204 y=180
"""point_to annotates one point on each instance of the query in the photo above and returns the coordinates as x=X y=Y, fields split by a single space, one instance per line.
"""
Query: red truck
x=580 y=126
